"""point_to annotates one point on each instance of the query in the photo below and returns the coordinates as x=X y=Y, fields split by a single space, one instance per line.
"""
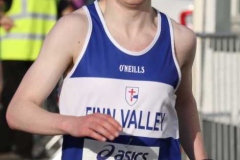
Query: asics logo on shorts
x=120 y=154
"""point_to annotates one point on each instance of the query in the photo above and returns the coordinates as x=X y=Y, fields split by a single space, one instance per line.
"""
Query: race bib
x=95 y=150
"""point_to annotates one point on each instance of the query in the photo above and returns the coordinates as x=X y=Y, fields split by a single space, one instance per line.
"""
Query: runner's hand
x=97 y=126
x=6 y=23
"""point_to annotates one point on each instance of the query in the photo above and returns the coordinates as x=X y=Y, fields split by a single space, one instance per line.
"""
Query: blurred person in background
x=1 y=78
x=23 y=26
x=65 y=7
x=1 y=83
x=78 y=3
x=1 y=7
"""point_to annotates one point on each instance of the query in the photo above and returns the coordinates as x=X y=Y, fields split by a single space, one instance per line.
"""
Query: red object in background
x=184 y=17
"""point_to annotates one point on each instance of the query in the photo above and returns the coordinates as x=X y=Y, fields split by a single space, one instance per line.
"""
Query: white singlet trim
x=174 y=54
x=157 y=35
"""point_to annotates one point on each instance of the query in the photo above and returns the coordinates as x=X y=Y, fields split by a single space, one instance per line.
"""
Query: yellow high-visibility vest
x=33 y=19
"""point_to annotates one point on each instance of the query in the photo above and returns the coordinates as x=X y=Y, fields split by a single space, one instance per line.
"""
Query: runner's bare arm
x=59 y=51
x=190 y=132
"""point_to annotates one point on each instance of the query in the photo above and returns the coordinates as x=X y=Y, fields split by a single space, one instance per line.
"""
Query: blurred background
x=216 y=73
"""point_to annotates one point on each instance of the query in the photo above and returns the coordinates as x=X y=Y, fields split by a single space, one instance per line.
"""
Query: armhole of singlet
x=82 y=52
x=174 y=54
